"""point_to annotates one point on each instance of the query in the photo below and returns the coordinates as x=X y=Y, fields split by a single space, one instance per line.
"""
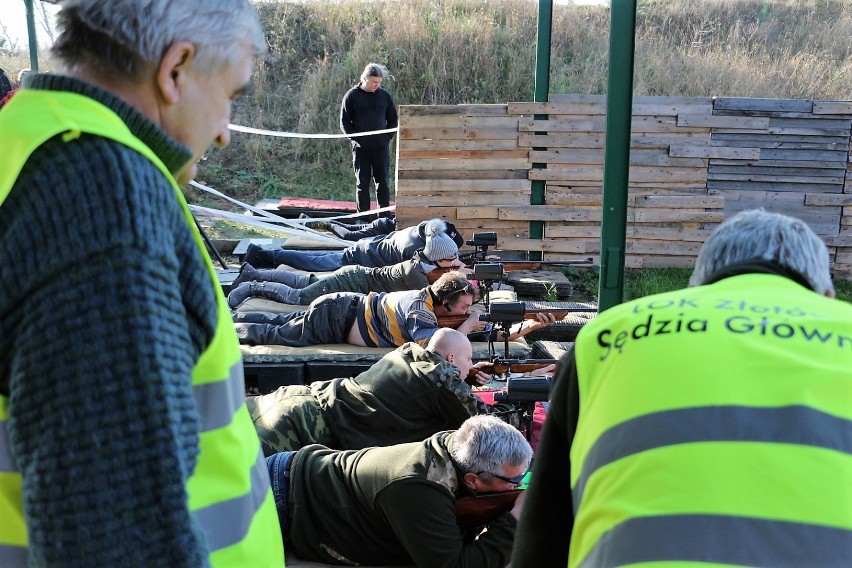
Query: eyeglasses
x=451 y=259
x=517 y=480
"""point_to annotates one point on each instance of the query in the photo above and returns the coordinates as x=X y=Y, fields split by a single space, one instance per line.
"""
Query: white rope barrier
x=251 y=221
x=282 y=134
x=271 y=218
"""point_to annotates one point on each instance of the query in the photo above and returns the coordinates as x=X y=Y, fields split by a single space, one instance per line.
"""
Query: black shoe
x=248 y=273
x=253 y=254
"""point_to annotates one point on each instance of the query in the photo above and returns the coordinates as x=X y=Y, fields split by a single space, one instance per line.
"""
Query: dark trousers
x=278 y=466
x=312 y=260
x=371 y=164
x=380 y=226
x=328 y=319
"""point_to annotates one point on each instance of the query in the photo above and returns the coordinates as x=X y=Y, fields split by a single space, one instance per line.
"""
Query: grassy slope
x=469 y=51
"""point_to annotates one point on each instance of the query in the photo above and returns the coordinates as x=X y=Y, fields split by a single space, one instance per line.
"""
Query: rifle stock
x=483 y=509
x=454 y=321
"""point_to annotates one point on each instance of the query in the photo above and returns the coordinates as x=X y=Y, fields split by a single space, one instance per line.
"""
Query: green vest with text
x=715 y=426
x=229 y=491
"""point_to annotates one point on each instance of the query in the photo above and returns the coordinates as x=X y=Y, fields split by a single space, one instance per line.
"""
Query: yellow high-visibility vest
x=715 y=426
x=229 y=491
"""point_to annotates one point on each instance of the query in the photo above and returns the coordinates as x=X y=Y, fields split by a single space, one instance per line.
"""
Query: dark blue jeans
x=278 y=466
x=311 y=260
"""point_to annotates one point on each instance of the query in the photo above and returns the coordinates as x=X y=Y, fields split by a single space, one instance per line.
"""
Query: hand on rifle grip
x=477 y=376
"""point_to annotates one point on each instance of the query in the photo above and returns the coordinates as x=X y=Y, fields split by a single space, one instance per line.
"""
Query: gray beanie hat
x=439 y=246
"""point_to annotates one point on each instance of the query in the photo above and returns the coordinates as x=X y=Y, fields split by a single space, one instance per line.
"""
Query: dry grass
x=474 y=51
x=483 y=51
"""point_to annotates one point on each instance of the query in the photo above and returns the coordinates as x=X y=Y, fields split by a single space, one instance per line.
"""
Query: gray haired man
x=396 y=504
x=124 y=438
x=705 y=425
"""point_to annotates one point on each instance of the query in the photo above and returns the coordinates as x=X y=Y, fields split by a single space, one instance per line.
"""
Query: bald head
x=453 y=346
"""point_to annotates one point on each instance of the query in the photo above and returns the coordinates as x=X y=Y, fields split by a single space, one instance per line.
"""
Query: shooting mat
x=567 y=328
x=539 y=282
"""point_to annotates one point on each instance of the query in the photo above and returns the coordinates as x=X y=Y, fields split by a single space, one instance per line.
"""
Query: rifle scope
x=483 y=239
x=521 y=389
x=505 y=312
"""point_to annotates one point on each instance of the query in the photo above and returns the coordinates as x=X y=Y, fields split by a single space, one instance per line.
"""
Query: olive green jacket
x=393 y=505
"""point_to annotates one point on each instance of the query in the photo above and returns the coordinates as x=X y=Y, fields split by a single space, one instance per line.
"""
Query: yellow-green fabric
x=229 y=490
x=723 y=409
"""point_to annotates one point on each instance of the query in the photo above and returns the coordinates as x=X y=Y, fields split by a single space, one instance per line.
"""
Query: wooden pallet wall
x=694 y=161
x=456 y=162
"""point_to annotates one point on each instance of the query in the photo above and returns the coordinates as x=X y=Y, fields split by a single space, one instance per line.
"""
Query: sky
x=13 y=15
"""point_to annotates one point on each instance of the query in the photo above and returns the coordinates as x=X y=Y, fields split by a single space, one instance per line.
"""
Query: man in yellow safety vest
x=124 y=436
x=705 y=425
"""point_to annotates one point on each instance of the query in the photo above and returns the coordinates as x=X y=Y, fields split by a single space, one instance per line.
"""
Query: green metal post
x=31 y=32
x=617 y=154
x=542 y=92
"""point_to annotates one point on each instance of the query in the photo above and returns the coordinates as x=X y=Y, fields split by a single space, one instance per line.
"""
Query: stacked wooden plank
x=694 y=162
x=802 y=170
x=667 y=204
x=455 y=161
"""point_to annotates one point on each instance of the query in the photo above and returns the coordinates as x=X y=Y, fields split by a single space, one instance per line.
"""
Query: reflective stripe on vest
x=738 y=453
x=229 y=491
x=13 y=536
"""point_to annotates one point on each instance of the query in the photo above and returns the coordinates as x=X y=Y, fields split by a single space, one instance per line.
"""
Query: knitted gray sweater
x=105 y=307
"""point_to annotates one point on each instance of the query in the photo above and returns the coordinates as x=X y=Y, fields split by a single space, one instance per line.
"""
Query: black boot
x=258 y=256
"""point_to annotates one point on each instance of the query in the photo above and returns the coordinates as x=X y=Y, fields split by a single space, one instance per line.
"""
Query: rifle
x=508 y=265
x=455 y=320
x=501 y=366
x=483 y=509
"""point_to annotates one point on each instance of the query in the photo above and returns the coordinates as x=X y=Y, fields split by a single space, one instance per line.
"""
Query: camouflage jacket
x=407 y=396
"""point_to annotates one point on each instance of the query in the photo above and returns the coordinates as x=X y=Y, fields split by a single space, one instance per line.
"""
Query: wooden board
x=472 y=133
x=832 y=107
x=585 y=124
x=429 y=186
x=427 y=145
x=686 y=151
x=637 y=174
x=461 y=121
x=483 y=163
x=693 y=106
x=460 y=200
x=455 y=110
x=746 y=104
